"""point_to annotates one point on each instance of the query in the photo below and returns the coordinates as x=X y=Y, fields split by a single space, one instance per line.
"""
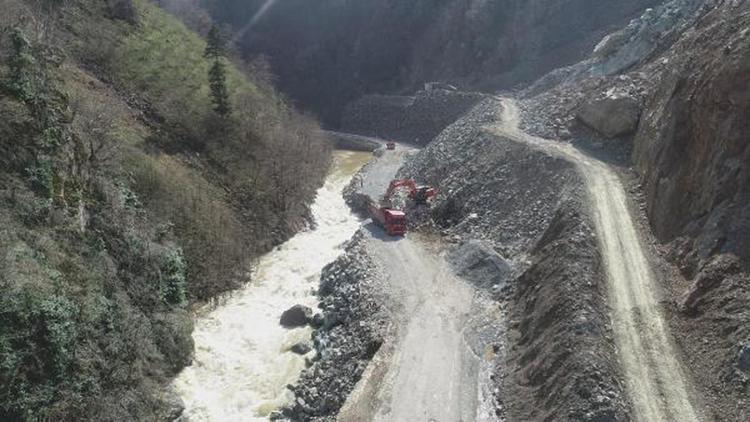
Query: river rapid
x=242 y=360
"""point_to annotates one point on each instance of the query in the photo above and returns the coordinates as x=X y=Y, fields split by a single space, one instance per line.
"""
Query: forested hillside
x=327 y=53
x=127 y=193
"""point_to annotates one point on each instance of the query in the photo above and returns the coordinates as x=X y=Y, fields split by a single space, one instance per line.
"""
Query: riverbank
x=243 y=359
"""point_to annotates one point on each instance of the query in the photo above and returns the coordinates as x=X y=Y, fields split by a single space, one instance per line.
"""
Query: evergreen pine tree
x=217 y=75
x=215 y=44
x=219 y=92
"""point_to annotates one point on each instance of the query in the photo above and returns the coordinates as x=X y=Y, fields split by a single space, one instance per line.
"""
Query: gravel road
x=658 y=387
x=427 y=370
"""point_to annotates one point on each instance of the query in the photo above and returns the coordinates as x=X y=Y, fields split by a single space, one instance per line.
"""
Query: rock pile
x=416 y=120
x=489 y=188
x=350 y=335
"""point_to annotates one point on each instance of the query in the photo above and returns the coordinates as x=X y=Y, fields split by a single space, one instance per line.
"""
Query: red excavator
x=392 y=220
x=419 y=194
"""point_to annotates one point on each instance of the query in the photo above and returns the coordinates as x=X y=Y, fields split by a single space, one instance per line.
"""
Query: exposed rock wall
x=692 y=149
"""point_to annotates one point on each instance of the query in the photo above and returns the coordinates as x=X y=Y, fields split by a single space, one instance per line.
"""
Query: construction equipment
x=419 y=194
x=393 y=220
x=390 y=145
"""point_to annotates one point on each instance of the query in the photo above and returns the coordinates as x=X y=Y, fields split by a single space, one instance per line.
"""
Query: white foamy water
x=242 y=363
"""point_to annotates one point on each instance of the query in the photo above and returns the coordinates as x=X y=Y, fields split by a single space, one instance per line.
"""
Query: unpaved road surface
x=427 y=371
x=656 y=382
x=432 y=373
x=376 y=176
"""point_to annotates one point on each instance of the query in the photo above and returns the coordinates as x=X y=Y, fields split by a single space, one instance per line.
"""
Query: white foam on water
x=242 y=364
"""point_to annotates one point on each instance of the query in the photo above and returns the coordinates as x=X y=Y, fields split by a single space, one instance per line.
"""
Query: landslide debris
x=489 y=189
x=562 y=349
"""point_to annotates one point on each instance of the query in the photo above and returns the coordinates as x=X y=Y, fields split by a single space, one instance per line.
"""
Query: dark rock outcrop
x=692 y=148
x=611 y=116
x=296 y=316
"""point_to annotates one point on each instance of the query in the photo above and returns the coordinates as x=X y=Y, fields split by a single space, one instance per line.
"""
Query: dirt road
x=432 y=372
x=656 y=382
x=427 y=371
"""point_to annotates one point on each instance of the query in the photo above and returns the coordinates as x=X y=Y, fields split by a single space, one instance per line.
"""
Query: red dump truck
x=392 y=221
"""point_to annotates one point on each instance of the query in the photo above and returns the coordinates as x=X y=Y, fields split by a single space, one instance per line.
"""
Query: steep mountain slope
x=684 y=66
x=124 y=199
x=330 y=52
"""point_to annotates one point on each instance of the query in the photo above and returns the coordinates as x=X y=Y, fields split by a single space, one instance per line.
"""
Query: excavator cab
x=422 y=194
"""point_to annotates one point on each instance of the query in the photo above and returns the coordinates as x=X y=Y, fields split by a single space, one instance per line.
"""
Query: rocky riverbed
x=353 y=329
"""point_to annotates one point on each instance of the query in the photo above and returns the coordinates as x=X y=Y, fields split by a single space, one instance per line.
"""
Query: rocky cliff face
x=328 y=53
x=692 y=148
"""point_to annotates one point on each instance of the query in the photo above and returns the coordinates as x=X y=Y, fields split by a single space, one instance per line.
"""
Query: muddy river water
x=242 y=359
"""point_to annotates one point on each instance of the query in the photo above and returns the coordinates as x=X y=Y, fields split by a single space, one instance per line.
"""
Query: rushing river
x=242 y=359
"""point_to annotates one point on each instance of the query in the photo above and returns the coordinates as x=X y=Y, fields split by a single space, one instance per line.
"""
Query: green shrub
x=173 y=283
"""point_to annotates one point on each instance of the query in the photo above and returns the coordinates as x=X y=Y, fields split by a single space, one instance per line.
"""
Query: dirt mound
x=564 y=360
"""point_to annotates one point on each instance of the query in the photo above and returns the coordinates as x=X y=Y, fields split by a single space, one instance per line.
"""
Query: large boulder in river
x=301 y=348
x=611 y=116
x=296 y=316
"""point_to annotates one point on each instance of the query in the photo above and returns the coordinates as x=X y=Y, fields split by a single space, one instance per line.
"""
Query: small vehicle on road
x=390 y=145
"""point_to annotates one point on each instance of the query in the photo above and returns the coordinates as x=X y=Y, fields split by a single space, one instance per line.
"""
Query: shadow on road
x=378 y=233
